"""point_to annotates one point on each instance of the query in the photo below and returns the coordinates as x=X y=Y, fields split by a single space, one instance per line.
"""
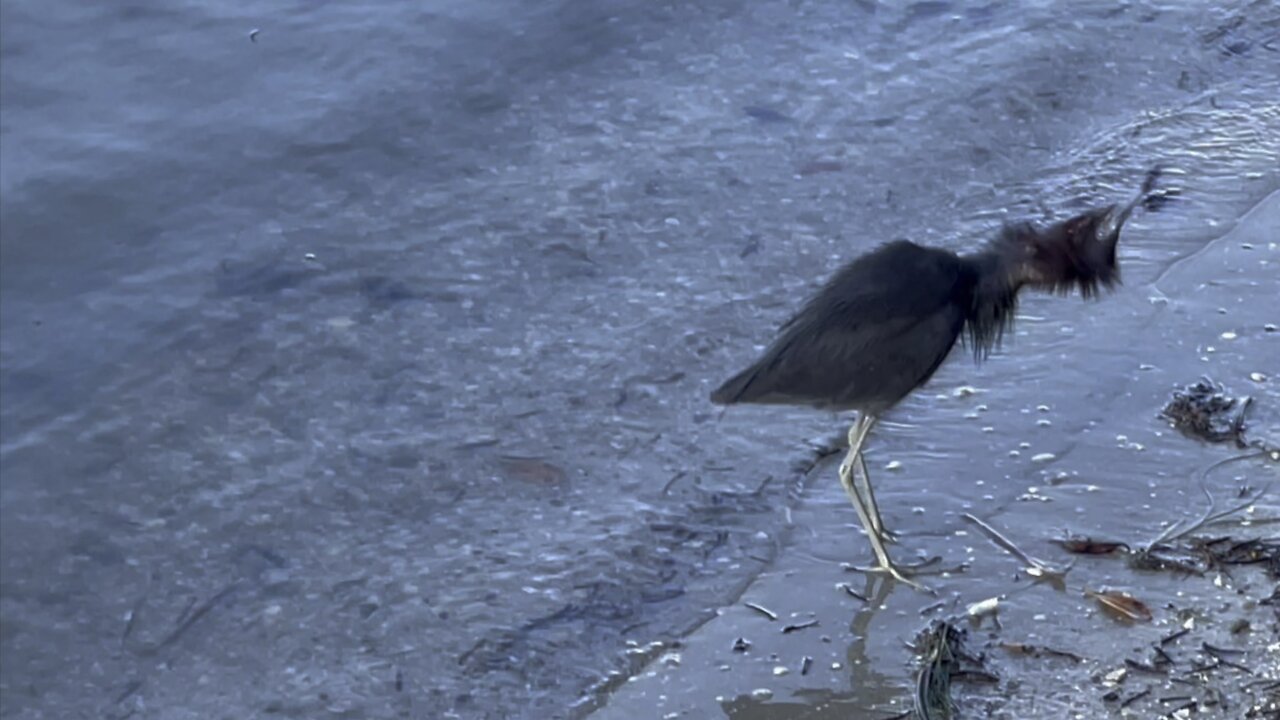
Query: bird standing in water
x=883 y=324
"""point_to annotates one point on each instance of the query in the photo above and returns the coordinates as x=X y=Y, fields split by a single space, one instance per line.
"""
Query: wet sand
x=1117 y=472
x=359 y=368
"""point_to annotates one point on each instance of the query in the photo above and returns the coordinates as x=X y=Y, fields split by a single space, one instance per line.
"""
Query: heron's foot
x=900 y=574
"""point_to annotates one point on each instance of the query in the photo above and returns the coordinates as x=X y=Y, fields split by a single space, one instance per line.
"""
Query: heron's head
x=1078 y=253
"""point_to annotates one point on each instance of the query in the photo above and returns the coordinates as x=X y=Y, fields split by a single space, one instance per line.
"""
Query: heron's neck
x=994 y=298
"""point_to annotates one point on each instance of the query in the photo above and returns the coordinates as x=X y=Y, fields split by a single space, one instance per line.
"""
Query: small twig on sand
x=1134 y=698
x=674 y=479
x=762 y=610
x=799 y=626
x=1189 y=705
x=190 y=619
x=854 y=593
x=131 y=621
x=1036 y=567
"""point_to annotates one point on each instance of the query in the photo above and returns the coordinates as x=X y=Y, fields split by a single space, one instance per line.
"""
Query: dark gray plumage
x=886 y=321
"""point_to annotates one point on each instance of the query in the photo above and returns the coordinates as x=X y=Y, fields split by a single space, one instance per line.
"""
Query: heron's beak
x=1109 y=228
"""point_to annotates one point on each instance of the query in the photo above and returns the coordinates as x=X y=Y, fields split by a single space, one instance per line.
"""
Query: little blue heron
x=885 y=322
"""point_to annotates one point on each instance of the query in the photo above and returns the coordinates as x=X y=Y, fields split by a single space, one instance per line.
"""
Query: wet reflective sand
x=359 y=369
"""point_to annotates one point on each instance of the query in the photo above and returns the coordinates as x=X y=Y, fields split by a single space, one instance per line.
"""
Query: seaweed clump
x=1204 y=411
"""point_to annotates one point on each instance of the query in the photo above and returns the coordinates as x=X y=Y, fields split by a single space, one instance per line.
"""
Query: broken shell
x=984 y=607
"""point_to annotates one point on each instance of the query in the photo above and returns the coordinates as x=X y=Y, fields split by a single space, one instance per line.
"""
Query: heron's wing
x=880 y=328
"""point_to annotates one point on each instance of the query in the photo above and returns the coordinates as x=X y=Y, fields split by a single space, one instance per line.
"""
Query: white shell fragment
x=984 y=607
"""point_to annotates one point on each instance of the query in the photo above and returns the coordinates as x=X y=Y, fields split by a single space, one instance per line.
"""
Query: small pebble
x=781 y=670
x=893 y=465
x=1257 y=377
x=1042 y=457
x=1228 y=335
x=1115 y=676
x=762 y=693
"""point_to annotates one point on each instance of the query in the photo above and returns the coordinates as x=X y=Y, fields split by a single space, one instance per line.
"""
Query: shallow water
x=387 y=328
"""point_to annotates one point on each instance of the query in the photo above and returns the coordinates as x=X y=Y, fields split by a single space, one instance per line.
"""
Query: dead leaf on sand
x=1121 y=605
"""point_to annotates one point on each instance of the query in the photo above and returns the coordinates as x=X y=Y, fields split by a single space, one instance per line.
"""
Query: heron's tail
x=735 y=388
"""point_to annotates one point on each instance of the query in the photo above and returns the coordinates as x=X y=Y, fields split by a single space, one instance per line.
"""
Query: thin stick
x=762 y=610
x=674 y=479
x=1007 y=544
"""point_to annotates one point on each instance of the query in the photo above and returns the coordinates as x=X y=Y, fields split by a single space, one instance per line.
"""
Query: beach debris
x=854 y=593
x=1036 y=567
x=1204 y=411
x=1221 y=657
x=799 y=626
x=762 y=610
x=943 y=658
x=983 y=608
x=1081 y=545
x=765 y=114
x=533 y=470
x=1121 y=604
x=741 y=645
x=1039 y=651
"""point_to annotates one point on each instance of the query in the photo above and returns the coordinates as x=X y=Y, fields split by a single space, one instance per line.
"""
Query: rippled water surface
x=356 y=366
